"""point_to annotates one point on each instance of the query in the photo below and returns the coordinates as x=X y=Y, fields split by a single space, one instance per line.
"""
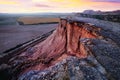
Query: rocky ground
x=71 y=68
x=79 y=49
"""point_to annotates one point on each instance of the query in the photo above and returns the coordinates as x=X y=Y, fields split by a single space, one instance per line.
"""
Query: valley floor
x=13 y=35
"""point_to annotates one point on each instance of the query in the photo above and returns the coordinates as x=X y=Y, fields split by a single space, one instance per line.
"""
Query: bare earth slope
x=13 y=35
x=76 y=50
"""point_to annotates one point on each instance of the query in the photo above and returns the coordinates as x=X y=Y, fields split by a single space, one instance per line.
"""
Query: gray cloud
x=41 y=5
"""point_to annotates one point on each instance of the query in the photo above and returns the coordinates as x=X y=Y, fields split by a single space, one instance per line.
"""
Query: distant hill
x=116 y=12
x=92 y=12
x=113 y=16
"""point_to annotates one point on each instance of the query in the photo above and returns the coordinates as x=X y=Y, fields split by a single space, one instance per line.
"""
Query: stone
x=76 y=50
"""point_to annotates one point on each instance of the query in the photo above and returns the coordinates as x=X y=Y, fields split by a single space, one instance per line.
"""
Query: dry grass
x=37 y=20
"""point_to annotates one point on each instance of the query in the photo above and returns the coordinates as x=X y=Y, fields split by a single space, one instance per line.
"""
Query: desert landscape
x=13 y=35
x=37 y=20
x=74 y=39
x=60 y=40
x=13 y=28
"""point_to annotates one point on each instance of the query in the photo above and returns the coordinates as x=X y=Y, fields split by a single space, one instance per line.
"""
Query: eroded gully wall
x=64 y=41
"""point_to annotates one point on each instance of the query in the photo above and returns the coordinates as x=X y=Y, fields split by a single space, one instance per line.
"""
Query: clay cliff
x=76 y=50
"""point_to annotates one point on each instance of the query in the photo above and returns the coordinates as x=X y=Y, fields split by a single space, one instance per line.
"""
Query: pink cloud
x=106 y=0
x=41 y=5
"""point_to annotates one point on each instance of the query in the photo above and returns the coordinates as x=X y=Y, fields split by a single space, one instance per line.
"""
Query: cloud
x=106 y=0
x=41 y=5
x=6 y=2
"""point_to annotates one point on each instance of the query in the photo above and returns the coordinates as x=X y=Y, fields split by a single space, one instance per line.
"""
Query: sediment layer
x=76 y=47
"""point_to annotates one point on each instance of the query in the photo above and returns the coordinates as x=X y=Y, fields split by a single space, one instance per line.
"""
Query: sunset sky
x=33 y=6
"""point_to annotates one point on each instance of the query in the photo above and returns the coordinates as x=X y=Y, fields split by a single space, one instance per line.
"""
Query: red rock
x=64 y=40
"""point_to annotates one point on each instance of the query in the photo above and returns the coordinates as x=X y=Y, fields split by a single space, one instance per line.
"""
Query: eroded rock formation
x=72 y=52
x=65 y=40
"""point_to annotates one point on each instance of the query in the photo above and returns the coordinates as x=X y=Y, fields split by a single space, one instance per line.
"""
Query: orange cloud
x=7 y=2
x=26 y=6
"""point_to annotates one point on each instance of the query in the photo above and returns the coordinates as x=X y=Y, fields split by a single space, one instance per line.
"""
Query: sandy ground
x=12 y=35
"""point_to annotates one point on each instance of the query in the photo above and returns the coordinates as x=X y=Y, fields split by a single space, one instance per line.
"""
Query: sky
x=63 y=6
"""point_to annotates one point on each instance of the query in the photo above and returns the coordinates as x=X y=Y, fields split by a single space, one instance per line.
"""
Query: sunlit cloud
x=41 y=5
x=30 y=6
x=7 y=2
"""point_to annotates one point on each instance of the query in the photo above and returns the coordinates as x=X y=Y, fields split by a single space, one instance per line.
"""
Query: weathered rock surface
x=108 y=55
x=71 y=68
x=76 y=50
